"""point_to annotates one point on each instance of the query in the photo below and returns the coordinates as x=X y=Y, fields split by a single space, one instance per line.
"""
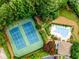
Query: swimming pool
x=62 y=32
x=24 y=37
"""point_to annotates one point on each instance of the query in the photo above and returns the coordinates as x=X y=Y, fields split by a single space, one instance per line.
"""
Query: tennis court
x=24 y=37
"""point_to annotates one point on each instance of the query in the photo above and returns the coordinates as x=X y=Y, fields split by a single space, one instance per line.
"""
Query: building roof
x=2 y=54
x=64 y=48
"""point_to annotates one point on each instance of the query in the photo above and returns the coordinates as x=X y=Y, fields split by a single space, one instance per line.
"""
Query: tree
x=75 y=50
x=2 y=41
x=15 y=10
x=3 y=1
x=49 y=8
x=22 y=8
x=5 y=15
x=74 y=4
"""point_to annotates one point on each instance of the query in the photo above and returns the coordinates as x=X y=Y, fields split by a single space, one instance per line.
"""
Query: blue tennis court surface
x=17 y=38
x=30 y=32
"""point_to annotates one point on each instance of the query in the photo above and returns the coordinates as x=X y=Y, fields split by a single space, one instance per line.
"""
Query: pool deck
x=57 y=31
x=64 y=21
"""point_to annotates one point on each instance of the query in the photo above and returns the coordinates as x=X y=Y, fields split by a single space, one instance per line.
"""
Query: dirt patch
x=0 y=46
x=9 y=47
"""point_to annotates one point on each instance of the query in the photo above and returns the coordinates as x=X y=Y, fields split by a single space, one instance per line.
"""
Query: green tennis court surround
x=24 y=37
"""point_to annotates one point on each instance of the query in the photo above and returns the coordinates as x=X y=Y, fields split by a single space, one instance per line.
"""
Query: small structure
x=24 y=37
x=50 y=47
x=2 y=54
x=61 y=32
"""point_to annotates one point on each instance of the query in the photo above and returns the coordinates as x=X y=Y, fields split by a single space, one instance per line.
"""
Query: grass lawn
x=40 y=53
x=66 y=13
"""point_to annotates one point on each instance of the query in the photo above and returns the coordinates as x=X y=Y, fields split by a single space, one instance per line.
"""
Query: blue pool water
x=30 y=32
x=63 y=31
x=17 y=38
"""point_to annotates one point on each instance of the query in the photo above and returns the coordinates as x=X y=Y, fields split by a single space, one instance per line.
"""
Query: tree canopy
x=15 y=10
x=75 y=50
x=18 y=9
x=48 y=8
x=3 y=1
x=74 y=4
